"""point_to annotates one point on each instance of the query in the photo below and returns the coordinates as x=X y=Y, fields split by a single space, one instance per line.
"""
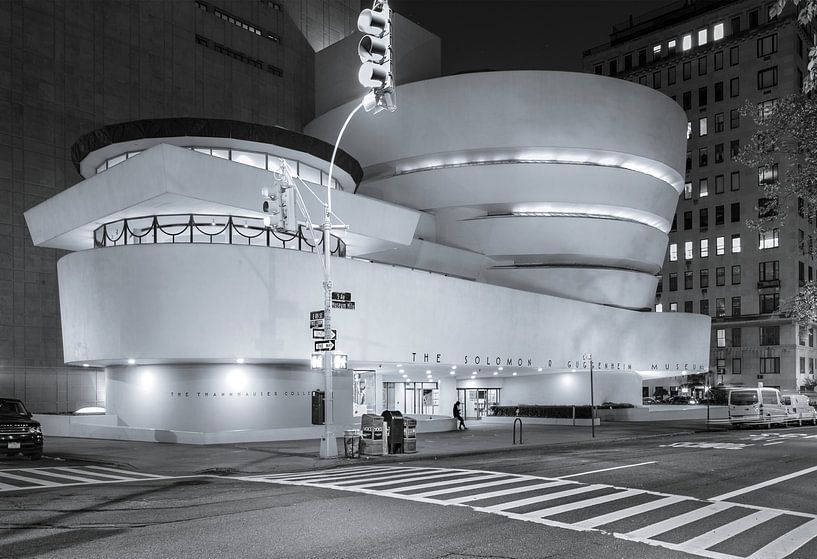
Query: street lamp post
x=592 y=400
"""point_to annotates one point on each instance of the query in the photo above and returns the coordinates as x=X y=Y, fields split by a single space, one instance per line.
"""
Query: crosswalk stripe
x=29 y=479
x=726 y=531
x=471 y=487
x=7 y=487
x=553 y=511
x=439 y=483
x=630 y=511
x=413 y=478
x=97 y=474
x=363 y=476
x=333 y=472
x=676 y=521
x=127 y=472
x=53 y=473
x=545 y=497
x=510 y=491
x=788 y=543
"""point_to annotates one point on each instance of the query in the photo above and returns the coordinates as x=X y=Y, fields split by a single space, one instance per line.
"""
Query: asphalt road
x=755 y=487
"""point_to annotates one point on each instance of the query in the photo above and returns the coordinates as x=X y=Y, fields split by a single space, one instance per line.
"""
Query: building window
x=688 y=250
x=767 y=78
x=687 y=221
x=720 y=306
x=734 y=87
x=702 y=66
x=613 y=65
x=769 y=239
x=704 y=248
x=735 y=306
x=811 y=337
x=659 y=308
x=734 y=25
x=770 y=335
x=686 y=42
x=767 y=45
x=801 y=274
x=689 y=130
x=688 y=306
x=702 y=96
x=628 y=62
x=717 y=32
x=688 y=282
x=687 y=70
x=720 y=276
x=703 y=188
x=720 y=366
x=688 y=191
x=753 y=19
x=656 y=80
x=769 y=302
x=656 y=52
x=733 y=56
x=769 y=270
x=598 y=69
x=671 y=46
x=735 y=212
x=673 y=281
x=736 y=337
x=719 y=60
x=703 y=279
x=671 y=75
x=736 y=274
x=718 y=122
x=769 y=365
x=767 y=175
x=704 y=306
x=734 y=148
x=719 y=215
x=734 y=180
x=718 y=153
x=735 y=243
x=642 y=80
x=674 y=226
x=766 y=108
x=702 y=126
x=734 y=119
x=703 y=219
x=720 y=335
x=736 y=370
x=673 y=252
x=673 y=307
x=703 y=36
x=642 y=57
x=687 y=100
x=718 y=184
x=703 y=157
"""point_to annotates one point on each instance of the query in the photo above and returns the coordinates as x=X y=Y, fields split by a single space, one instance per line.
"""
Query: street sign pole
x=329 y=444
x=592 y=402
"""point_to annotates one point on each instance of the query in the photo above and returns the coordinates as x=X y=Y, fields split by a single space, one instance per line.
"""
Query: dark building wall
x=70 y=66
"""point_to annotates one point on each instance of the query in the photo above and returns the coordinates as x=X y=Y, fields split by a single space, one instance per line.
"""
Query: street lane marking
x=607 y=470
x=630 y=511
x=763 y=484
x=653 y=530
x=64 y=476
x=581 y=499
x=788 y=543
x=722 y=533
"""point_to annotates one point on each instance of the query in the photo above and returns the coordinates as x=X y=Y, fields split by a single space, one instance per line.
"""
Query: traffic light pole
x=329 y=444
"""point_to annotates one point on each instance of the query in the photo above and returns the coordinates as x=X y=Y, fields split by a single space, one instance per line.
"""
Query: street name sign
x=316 y=323
x=341 y=296
x=348 y=305
x=316 y=315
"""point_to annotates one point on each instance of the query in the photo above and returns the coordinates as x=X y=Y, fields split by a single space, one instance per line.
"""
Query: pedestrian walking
x=458 y=417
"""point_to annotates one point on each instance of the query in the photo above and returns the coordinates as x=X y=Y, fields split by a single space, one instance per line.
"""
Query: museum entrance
x=476 y=402
x=419 y=398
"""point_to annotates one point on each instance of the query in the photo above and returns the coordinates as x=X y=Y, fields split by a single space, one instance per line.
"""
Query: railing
x=207 y=229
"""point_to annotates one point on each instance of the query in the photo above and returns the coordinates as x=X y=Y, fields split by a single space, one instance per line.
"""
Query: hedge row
x=559 y=412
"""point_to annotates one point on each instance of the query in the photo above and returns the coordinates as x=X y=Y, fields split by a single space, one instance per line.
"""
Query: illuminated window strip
x=662 y=225
x=594 y=158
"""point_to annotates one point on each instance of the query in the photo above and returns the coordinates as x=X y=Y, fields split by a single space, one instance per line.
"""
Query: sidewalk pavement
x=286 y=456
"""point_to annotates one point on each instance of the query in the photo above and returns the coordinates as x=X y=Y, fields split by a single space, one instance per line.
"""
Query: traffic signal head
x=375 y=52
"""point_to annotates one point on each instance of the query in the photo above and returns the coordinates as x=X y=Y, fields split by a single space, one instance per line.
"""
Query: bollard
x=520 y=430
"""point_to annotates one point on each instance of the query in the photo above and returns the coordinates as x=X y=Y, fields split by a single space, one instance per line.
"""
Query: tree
x=807 y=12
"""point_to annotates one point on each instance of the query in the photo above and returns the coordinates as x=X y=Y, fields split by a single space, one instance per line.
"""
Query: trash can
x=373 y=438
x=409 y=435
x=394 y=421
x=351 y=443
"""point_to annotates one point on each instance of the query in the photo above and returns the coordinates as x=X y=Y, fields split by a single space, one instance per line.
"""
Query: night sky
x=519 y=34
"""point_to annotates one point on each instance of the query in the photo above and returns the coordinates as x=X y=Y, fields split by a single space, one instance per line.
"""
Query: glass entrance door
x=477 y=402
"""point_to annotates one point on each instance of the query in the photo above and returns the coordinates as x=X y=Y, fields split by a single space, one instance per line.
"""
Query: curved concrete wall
x=599 y=161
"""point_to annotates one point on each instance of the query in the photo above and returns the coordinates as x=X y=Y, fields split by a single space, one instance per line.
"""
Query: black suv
x=19 y=434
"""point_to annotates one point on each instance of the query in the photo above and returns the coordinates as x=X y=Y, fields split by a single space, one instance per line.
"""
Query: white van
x=798 y=409
x=756 y=406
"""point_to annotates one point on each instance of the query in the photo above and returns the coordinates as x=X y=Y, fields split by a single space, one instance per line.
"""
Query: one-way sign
x=325 y=345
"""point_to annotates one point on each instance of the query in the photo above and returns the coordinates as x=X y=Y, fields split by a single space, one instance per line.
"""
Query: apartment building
x=712 y=58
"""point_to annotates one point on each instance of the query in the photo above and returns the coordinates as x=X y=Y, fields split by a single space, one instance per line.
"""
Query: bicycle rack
x=515 y=421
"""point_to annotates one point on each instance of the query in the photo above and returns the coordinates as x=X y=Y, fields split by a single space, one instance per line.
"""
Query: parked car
x=683 y=401
x=19 y=433
x=756 y=406
x=648 y=401
x=798 y=409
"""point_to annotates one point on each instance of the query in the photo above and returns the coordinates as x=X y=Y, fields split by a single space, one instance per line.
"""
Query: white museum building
x=501 y=225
